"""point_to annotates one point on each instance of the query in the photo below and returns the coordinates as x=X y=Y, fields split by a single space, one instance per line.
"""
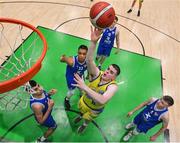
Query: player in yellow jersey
x=140 y=5
x=101 y=88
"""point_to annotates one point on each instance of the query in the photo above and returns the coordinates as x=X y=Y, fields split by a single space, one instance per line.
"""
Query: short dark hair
x=168 y=99
x=83 y=47
x=117 y=68
x=32 y=83
x=116 y=18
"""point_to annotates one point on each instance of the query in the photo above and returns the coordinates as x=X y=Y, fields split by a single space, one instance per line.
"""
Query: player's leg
x=86 y=114
x=140 y=5
x=137 y=122
x=130 y=125
x=81 y=109
x=82 y=128
x=51 y=124
x=97 y=57
x=106 y=53
x=130 y=134
x=88 y=117
x=101 y=61
x=99 y=53
x=130 y=10
x=70 y=93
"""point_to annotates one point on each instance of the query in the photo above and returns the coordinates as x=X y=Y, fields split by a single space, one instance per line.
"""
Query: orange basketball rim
x=21 y=79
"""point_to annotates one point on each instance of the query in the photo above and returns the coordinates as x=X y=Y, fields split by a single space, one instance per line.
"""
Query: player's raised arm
x=67 y=60
x=95 y=35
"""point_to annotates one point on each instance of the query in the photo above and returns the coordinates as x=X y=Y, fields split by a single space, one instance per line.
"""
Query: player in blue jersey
x=155 y=112
x=42 y=105
x=107 y=42
x=75 y=64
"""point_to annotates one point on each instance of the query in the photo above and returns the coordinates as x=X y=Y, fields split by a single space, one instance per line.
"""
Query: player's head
x=115 y=21
x=111 y=73
x=82 y=52
x=34 y=88
x=165 y=101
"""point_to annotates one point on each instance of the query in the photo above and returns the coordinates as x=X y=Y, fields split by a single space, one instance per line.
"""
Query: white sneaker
x=128 y=136
x=130 y=125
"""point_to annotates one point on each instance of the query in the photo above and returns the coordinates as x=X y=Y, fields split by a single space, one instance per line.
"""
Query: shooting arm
x=91 y=66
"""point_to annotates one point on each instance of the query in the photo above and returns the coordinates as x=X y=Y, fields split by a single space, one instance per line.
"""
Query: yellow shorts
x=88 y=113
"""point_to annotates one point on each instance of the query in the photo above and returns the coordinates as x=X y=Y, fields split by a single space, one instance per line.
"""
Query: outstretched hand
x=95 y=34
x=79 y=82
x=62 y=58
x=52 y=91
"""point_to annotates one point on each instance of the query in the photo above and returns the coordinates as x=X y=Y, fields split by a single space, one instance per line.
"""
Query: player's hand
x=153 y=138
x=130 y=113
x=95 y=34
x=62 y=58
x=50 y=104
x=52 y=91
x=79 y=81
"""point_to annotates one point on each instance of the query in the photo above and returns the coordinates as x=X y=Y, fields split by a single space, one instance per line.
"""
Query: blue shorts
x=141 y=124
x=69 y=84
x=50 y=123
x=70 y=81
x=104 y=50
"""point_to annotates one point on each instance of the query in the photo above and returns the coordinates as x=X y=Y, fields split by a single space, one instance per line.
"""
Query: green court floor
x=139 y=80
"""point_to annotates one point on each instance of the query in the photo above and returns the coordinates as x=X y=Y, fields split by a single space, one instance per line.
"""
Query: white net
x=17 y=99
x=21 y=48
x=14 y=63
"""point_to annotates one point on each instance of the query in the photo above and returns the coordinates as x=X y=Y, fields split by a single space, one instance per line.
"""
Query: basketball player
x=101 y=88
x=42 y=105
x=107 y=42
x=155 y=112
x=75 y=64
x=140 y=5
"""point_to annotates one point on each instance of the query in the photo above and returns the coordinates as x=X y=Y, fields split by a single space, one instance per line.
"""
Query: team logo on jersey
x=147 y=116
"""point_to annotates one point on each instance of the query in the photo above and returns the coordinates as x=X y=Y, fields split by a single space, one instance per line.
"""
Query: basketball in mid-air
x=102 y=15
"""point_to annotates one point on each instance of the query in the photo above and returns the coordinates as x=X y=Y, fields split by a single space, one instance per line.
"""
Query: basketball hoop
x=19 y=66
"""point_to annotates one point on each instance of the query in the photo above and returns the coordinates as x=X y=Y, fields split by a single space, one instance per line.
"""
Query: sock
x=67 y=98
x=69 y=94
x=42 y=138
x=85 y=124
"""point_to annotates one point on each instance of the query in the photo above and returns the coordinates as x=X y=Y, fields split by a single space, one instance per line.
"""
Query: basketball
x=102 y=15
